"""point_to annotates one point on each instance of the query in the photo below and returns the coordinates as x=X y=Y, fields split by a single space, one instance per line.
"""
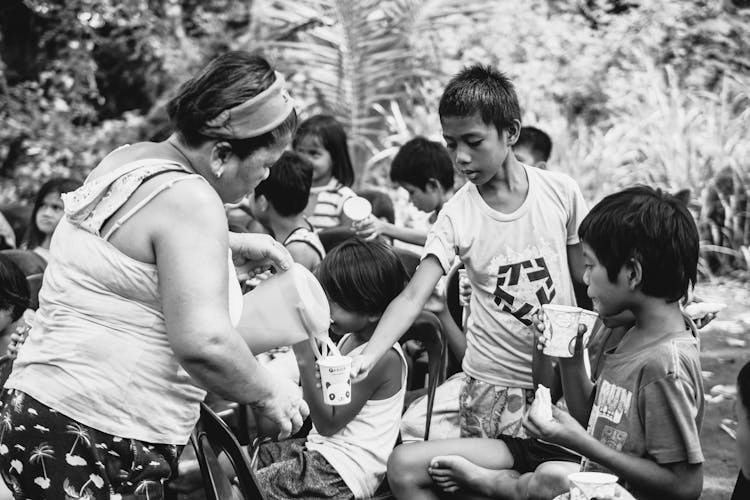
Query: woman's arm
x=190 y=241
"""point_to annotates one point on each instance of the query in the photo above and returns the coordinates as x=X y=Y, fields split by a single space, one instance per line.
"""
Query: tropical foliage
x=631 y=91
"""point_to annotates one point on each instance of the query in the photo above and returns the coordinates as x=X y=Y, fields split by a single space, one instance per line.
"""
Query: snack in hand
x=541 y=408
x=697 y=310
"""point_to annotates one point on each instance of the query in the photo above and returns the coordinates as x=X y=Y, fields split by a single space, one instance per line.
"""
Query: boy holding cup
x=345 y=454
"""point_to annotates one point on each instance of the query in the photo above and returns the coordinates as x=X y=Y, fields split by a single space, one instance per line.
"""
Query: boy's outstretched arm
x=373 y=225
x=399 y=316
x=330 y=419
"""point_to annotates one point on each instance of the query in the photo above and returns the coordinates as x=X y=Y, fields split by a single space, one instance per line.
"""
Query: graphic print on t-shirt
x=524 y=283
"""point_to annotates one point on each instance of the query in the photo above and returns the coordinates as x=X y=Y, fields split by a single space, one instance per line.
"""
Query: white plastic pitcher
x=285 y=309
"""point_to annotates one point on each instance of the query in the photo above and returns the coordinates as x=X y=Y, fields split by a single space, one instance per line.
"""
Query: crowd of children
x=630 y=404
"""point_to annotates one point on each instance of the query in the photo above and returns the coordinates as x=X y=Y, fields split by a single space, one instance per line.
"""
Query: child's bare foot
x=452 y=473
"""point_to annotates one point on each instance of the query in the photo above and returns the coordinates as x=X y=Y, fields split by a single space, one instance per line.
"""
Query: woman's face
x=49 y=213
x=242 y=176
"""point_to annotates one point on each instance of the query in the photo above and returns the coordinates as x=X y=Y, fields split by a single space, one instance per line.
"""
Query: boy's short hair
x=420 y=160
x=651 y=226
x=537 y=141
x=484 y=90
x=14 y=293
x=382 y=204
x=288 y=184
x=362 y=276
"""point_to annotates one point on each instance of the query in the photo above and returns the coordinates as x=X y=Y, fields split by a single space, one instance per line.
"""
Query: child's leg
x=408 y=465
x=455 y=473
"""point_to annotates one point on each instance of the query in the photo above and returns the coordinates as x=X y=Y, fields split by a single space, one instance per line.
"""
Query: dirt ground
x=725 y=348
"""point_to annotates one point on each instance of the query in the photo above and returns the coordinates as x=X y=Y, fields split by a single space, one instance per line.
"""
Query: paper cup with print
x=335 y=372
x=560 y=329
x=588 y=485
x=587 y=318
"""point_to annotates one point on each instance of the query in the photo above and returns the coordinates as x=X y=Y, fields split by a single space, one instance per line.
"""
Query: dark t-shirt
x=649 y=403
x=741 y=488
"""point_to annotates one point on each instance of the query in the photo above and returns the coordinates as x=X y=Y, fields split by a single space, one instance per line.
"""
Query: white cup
x=285 y=309
x=335 y=373
x=357 y=208
x=588 y=485
x=561 y=328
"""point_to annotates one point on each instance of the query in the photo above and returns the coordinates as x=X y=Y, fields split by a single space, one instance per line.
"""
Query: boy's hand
x=538 y=323
x=563 y=429
x=361 y=366
x=368 y=228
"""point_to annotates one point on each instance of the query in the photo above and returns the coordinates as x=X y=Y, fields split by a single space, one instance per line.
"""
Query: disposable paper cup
x=335 y=379
x=560 y=329
x=357 y=208
x=285 y=309
x=587 y=318
x=588 y=485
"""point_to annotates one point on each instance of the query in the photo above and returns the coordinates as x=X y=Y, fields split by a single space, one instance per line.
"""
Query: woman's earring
x=218 y=172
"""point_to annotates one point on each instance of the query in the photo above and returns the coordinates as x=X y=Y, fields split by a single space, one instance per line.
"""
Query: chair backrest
x=409 y=259
x=35 y=284
x=333 y=236
x=30 y=262
x=455 y=308
x=428 y=330
x=211 y=437
x=6 y=366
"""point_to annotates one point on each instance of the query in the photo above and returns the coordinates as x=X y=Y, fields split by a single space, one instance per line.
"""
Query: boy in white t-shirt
x=515 y=229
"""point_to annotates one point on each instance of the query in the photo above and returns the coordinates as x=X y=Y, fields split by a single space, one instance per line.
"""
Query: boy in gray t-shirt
x=645 y=412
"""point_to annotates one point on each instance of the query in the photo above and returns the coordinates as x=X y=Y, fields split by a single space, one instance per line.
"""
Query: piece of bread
x=541 y=408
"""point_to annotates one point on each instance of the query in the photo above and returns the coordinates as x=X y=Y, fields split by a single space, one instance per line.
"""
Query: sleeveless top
x=98 y=352
x=308 y=236
x=359 y=452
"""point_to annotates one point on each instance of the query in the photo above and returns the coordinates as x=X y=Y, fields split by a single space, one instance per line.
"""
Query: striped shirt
x=329 y=200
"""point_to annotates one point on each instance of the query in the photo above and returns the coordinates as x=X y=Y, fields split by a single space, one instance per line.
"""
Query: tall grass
x=670 y=136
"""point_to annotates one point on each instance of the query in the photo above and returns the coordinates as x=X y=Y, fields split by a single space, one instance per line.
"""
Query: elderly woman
x=136 y=320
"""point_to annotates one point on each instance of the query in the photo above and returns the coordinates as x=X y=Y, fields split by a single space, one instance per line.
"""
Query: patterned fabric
x=89 y=206
x=45 y=455
x=289 y=470
x=329 y=201
x=488 y=411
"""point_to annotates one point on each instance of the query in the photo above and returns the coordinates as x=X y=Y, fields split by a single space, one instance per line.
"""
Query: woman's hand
x=254 y=253
x=284 y=407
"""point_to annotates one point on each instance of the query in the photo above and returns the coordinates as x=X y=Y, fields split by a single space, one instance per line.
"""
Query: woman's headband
x=254 y=117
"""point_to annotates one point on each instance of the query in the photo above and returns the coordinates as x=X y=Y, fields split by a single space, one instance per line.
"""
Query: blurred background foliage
x=630 y=90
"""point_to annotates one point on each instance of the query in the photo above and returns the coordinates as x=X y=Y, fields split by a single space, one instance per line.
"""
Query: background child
x=14 y=303
x=47 y=212
x=425 y=170
x=322 y=141
x=279 y=202
x=533 y=147
x=345 y=454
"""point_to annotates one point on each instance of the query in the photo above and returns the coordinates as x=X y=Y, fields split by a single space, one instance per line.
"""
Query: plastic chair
x=6 y=366
x=212 y=435
x=35 y=284
x=28 y=261
x=333 y=236
x=452 y=297
x=428 y=330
